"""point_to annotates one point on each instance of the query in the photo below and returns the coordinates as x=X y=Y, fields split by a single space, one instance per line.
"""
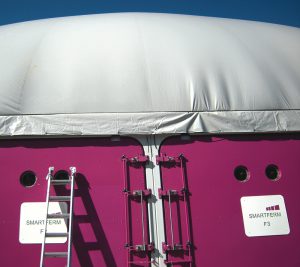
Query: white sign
x=265 y=215
x=32 y=222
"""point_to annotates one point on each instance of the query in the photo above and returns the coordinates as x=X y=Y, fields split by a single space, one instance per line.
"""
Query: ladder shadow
x=82 y=247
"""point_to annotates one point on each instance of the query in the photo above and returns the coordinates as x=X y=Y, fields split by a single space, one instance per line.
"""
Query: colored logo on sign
x=276 y=207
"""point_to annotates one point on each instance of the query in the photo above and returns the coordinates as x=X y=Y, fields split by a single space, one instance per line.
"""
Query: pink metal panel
x=218 y=236
x=99 y=216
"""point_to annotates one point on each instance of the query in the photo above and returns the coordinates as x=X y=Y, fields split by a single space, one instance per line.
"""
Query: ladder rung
x=56 y=234
x=60 y=182
x=59 y=198
x=57 y=216
x=56 y=254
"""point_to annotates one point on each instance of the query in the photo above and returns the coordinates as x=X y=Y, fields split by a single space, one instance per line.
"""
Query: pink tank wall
x=217 y=230
x=209 y=215
x=99 y=225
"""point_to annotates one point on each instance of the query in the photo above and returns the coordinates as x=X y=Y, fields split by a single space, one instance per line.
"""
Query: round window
x=272 y=172
x=241 y=173
x=28 y=178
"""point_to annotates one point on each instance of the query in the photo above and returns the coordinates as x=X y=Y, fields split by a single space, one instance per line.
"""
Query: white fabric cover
x=143 y=73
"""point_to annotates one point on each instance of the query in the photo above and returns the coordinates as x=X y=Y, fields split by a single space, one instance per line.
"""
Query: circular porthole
x=28 y=178
x=61 y=175
x=272 y=172
x=241 y=173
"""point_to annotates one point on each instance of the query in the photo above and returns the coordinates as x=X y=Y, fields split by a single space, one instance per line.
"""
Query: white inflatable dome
x=143 y=73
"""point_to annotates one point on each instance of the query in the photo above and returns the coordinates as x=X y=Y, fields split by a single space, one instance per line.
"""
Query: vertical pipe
x=171 y=219
x=124 y=161
x=143 y=226
x=187 y=221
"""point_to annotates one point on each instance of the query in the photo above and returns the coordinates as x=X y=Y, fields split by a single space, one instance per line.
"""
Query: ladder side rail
x=48 y=177
x=73 y=174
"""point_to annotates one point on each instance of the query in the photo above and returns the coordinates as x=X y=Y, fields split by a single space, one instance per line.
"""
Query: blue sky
x=276 y=11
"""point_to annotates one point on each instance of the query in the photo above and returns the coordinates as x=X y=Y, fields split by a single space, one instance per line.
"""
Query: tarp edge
x=150 y=123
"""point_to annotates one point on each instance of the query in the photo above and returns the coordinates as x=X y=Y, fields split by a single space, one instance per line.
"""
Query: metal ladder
x=69 y=216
